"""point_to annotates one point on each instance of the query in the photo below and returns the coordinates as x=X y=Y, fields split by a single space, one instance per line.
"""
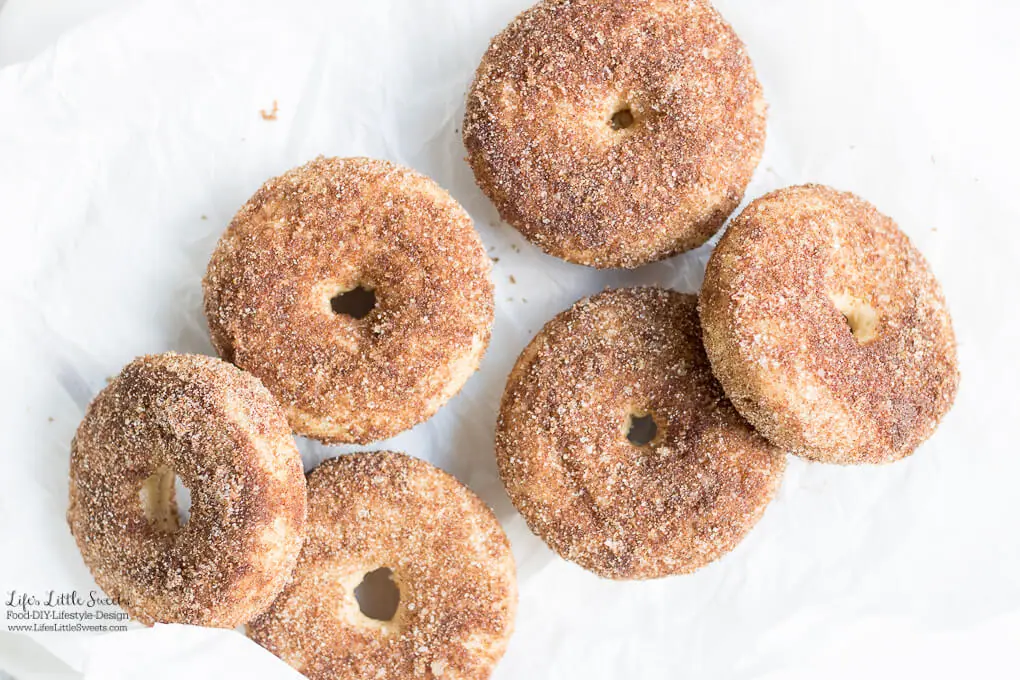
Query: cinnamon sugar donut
x=613 y=134
x=358 y=291
x=827 y=328
x=447 y=555
x=622 y=503
x=222 y=432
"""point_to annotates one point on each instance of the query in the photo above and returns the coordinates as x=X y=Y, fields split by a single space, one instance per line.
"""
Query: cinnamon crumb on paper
x=272 y=114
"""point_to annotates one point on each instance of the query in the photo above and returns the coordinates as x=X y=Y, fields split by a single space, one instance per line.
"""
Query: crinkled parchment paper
x=127 y=146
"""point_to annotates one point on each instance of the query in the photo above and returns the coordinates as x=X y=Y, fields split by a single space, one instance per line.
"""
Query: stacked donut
x=642 y=432
x=353 y=298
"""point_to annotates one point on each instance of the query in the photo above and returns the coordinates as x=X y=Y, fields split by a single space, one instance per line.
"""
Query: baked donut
x=222 y=432
x=444 y=551
x=618 y=446
x=359 y=293
x=827 y=329
x=613 y=134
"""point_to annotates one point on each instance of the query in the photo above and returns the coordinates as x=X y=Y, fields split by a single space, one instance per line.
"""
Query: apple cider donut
x=359 y=293
x=827 y=328
x=431 y=540
x=613 y=134
x=618 y=447
x=222 y=432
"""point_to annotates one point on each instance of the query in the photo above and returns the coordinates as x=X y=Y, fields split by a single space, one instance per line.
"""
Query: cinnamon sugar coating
x=224 y=435
x=334 y=225
x=449 y=558
x=613 y=134
x=827 y=328
x=622 y=510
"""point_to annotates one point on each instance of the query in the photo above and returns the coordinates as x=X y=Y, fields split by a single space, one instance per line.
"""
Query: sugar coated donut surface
x=613 y=134
x=224 y=435
x=449 y=559
x=355 y=225
x=565 y=451
x=827 y=329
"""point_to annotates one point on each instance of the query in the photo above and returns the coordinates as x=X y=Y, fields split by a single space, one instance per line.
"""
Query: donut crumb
x=271 y=115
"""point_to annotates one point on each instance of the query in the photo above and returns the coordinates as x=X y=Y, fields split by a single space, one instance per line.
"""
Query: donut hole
x=166 y=501
x=377 y=595
x=622 y=119
x=861 y=317
x=356 y=303
x=641 y=429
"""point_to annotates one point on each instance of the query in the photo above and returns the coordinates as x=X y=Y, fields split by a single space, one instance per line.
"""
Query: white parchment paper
x=126 y=148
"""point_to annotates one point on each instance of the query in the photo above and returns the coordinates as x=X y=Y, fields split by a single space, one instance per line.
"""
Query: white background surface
x=119 y=132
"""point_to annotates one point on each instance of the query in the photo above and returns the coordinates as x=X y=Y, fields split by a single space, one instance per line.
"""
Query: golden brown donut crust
x=224 y=435
x=540 y=141
x=618 y=509
x=788 y=278
x=448 y=555
x=333 y=225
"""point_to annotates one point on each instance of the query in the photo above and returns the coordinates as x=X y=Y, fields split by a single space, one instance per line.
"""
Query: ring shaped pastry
x=223 y=434
x=444 y=551
x=358 y=291
x=618 y=446
x=614 y=134
x=827 y=328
